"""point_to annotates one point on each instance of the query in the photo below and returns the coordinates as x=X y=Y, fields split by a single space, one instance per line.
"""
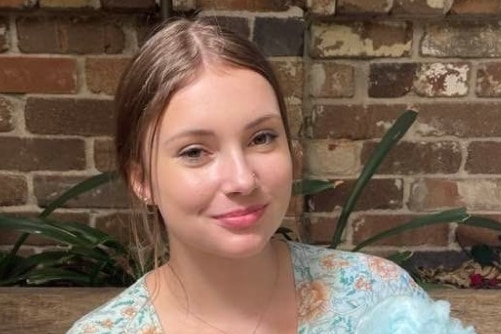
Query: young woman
x=202 y=137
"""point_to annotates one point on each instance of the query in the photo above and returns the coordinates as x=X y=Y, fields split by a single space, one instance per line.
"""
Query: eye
x=193 y=155
x=264 y=138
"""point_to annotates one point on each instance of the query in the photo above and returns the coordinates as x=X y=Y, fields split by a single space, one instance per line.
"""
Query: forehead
x=220 y=94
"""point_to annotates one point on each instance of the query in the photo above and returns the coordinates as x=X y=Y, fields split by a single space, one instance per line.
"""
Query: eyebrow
x=208 y=133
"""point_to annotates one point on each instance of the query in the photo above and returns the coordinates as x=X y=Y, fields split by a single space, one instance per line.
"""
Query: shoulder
x=130 y=311
x=357 y=271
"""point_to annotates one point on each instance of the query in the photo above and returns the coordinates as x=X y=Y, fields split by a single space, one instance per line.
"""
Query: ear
x=139 y=185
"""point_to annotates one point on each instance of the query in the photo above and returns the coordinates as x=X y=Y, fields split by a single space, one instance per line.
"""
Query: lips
x=241 y=218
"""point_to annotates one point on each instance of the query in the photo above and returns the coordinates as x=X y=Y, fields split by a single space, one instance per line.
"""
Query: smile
x=242 y=218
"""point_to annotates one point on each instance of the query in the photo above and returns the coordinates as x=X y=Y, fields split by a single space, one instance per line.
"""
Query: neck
x=216 y=288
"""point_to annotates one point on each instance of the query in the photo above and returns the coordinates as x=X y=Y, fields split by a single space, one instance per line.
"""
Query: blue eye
x=264 y=138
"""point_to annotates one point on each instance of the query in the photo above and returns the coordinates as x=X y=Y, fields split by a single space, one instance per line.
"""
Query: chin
x=240 y=247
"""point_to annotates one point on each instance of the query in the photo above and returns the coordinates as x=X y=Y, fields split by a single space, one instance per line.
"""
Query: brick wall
x=348 y=69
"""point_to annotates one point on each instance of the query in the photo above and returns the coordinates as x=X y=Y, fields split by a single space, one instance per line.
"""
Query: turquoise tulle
x=408 y=315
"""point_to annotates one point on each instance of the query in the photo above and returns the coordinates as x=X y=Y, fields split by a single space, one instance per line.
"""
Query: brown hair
x=167 y=62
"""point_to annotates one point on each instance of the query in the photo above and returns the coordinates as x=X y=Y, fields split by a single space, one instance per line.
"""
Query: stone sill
x=53 y=310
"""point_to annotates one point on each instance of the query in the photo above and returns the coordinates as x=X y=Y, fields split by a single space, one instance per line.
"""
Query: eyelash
x=270 y=136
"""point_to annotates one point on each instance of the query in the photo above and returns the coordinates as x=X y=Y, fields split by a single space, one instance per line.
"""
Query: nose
x=237 y=175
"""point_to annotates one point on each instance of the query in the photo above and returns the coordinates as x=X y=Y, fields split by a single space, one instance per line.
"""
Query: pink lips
x=241 y=219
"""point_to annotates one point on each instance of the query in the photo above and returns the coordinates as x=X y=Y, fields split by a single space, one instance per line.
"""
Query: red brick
x=489 y=80
x=421 y=8
x=470 y=7
x=291 y=78
x=295 y=119
x=86 y=117
x=9 y=238
x=463 y=119
x=327 y=79
x=104 y=155
x=438 y=194
x=363 y=6
x=391 y=79
x=13 y=190
x=366 y=226
x=361 y=39
x=239 y=25
x=379 y=194
x=248 y=5
x=280 y=37
x=27 y=154
x=67 y=34
x=472 y=235
x=418 y=157
x=4 y=32
x=103 y=74
x=484 y=158
x=129 y=4
x=17 y=4
x=465 y=38
x=37 y=75
x=111 y=195
x=320 y=230
x=6 y=112
x=332 y=157
x=442 y=79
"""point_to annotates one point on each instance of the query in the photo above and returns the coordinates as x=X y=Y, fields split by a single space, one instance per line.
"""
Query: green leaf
x=78 y=189
x=484 y=255
x=453 y=215
x=389 y=140
x=311 y=186
x=49 y=275
x=42 y=260
x=400 y=257
x=478 y=221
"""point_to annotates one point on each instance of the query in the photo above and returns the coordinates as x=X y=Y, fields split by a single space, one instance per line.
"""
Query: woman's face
x=222 y=168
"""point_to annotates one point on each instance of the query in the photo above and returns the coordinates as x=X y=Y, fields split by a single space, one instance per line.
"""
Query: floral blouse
x=336 y=292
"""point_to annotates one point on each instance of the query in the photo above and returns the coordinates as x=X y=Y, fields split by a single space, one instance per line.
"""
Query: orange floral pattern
x=333 y=291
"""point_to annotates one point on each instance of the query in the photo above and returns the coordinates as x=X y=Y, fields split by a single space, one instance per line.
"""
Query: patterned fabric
x=334 y=290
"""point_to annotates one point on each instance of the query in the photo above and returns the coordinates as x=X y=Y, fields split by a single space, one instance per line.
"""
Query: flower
x=313 y=297
x=410 y=315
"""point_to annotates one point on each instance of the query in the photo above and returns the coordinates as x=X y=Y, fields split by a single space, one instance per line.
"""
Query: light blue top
x=337 y=292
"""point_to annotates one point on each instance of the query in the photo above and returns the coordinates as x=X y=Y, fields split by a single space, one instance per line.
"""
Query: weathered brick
x=484 y=158
x=13 y=190
x=424 y=8
x=361 y=39
x=110 y=195
x=379 y=194
x=70 y=34
x=9 y=238
x=37 y=75
x=26 y=154
x=418 y=157
x=327 y=79
x=469 y=7
x=391 y=79
x=363 y=6
x=489 y=80
x=366 y=226
x=320 y=230
x=473 y=235
x=426 y=258
x=436 y=194
x=17 y=4
x=280 y=36
x=291 y=78
x=122 y=226
x=254 y=5
x=240 y=25
x=464 y=120
x=322 y=7
x=295 y=119
x=353 y=121
x=104 y=155
x=442 y=79
x=329 y=157
x=128 y=4
x=462 y=39
x=86 y=117
x=6 y=112
x=297 y=159
x=69 y=4
x=103 y=74
x=4 y=32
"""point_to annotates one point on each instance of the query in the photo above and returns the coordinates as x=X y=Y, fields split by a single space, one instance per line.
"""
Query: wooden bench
x=53 y=310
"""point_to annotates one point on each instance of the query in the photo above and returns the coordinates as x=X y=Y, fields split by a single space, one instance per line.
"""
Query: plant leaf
x=453 y=215
x=311 y=186
x=389 y=140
